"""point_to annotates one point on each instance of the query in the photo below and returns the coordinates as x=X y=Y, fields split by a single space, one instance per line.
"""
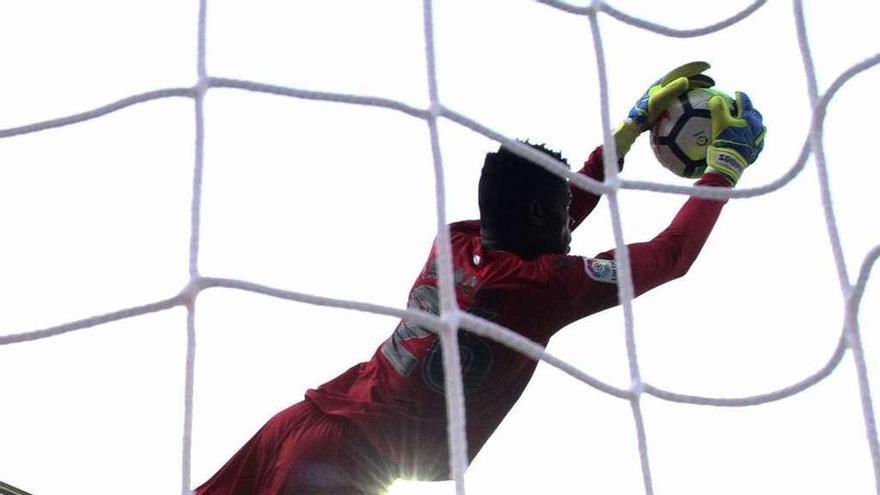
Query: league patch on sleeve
x=601 y=270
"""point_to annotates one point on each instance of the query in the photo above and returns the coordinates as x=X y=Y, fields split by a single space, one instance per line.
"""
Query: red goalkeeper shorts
x=301 y=451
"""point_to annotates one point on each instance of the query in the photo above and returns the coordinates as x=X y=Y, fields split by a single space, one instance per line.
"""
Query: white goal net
x=321 y=184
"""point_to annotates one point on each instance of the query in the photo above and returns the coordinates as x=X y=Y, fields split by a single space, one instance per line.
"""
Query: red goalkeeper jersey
x=396 y=399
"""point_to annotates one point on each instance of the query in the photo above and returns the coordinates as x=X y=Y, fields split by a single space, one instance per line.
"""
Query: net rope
x=451 y=317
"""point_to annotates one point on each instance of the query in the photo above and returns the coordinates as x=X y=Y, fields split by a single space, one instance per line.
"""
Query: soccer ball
x=680 y=136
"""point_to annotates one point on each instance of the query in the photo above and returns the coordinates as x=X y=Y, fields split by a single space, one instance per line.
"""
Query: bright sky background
x=338 y=201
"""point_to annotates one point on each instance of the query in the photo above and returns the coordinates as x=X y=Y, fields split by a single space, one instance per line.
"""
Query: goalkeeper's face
x=556 y=227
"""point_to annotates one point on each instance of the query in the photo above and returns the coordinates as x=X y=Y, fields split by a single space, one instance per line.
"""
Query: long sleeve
x=582 y=201
x=589 y=285
x=671 y=253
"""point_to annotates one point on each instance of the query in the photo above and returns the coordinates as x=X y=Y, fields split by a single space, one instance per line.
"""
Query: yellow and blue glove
x=657 y=99
x=737 y=139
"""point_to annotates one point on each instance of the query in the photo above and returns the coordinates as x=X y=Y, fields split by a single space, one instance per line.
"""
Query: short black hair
x=508 y=182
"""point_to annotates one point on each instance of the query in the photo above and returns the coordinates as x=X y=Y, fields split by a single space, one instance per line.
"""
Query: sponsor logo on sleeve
x=601 y=270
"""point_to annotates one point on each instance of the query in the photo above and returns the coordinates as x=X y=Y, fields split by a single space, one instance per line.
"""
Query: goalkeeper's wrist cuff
x=625 y=135
x=715 y=179
x=727 y=162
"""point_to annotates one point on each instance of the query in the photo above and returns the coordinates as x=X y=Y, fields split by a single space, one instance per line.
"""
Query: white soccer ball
x=681 y=135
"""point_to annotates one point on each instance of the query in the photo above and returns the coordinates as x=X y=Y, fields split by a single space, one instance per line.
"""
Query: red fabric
x=396 y=402
x=673 y=251
x=666 y=257
x=582 y=201
x=397 y=398
x=300 y=451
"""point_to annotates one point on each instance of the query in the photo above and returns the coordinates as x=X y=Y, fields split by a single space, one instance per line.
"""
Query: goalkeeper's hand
x=737 y=139
x=656 y=99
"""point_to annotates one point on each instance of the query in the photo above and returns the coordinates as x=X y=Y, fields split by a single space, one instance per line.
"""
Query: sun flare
x=409 y=487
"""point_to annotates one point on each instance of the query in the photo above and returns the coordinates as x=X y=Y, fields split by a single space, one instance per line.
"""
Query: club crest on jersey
x=601 y=270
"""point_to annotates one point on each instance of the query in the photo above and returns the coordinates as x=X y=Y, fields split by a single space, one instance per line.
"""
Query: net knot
x=636 y=388
x=450 y=320
x=190 y=291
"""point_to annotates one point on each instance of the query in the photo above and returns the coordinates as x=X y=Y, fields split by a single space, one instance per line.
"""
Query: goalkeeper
x=386 y=418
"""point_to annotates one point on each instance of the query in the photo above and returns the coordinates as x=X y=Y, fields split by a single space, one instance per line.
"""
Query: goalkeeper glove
x=656 y=99
x=737 y=139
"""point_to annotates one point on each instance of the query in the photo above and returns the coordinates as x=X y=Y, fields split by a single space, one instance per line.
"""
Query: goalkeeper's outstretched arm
x=666 y=257
x=671 y=253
